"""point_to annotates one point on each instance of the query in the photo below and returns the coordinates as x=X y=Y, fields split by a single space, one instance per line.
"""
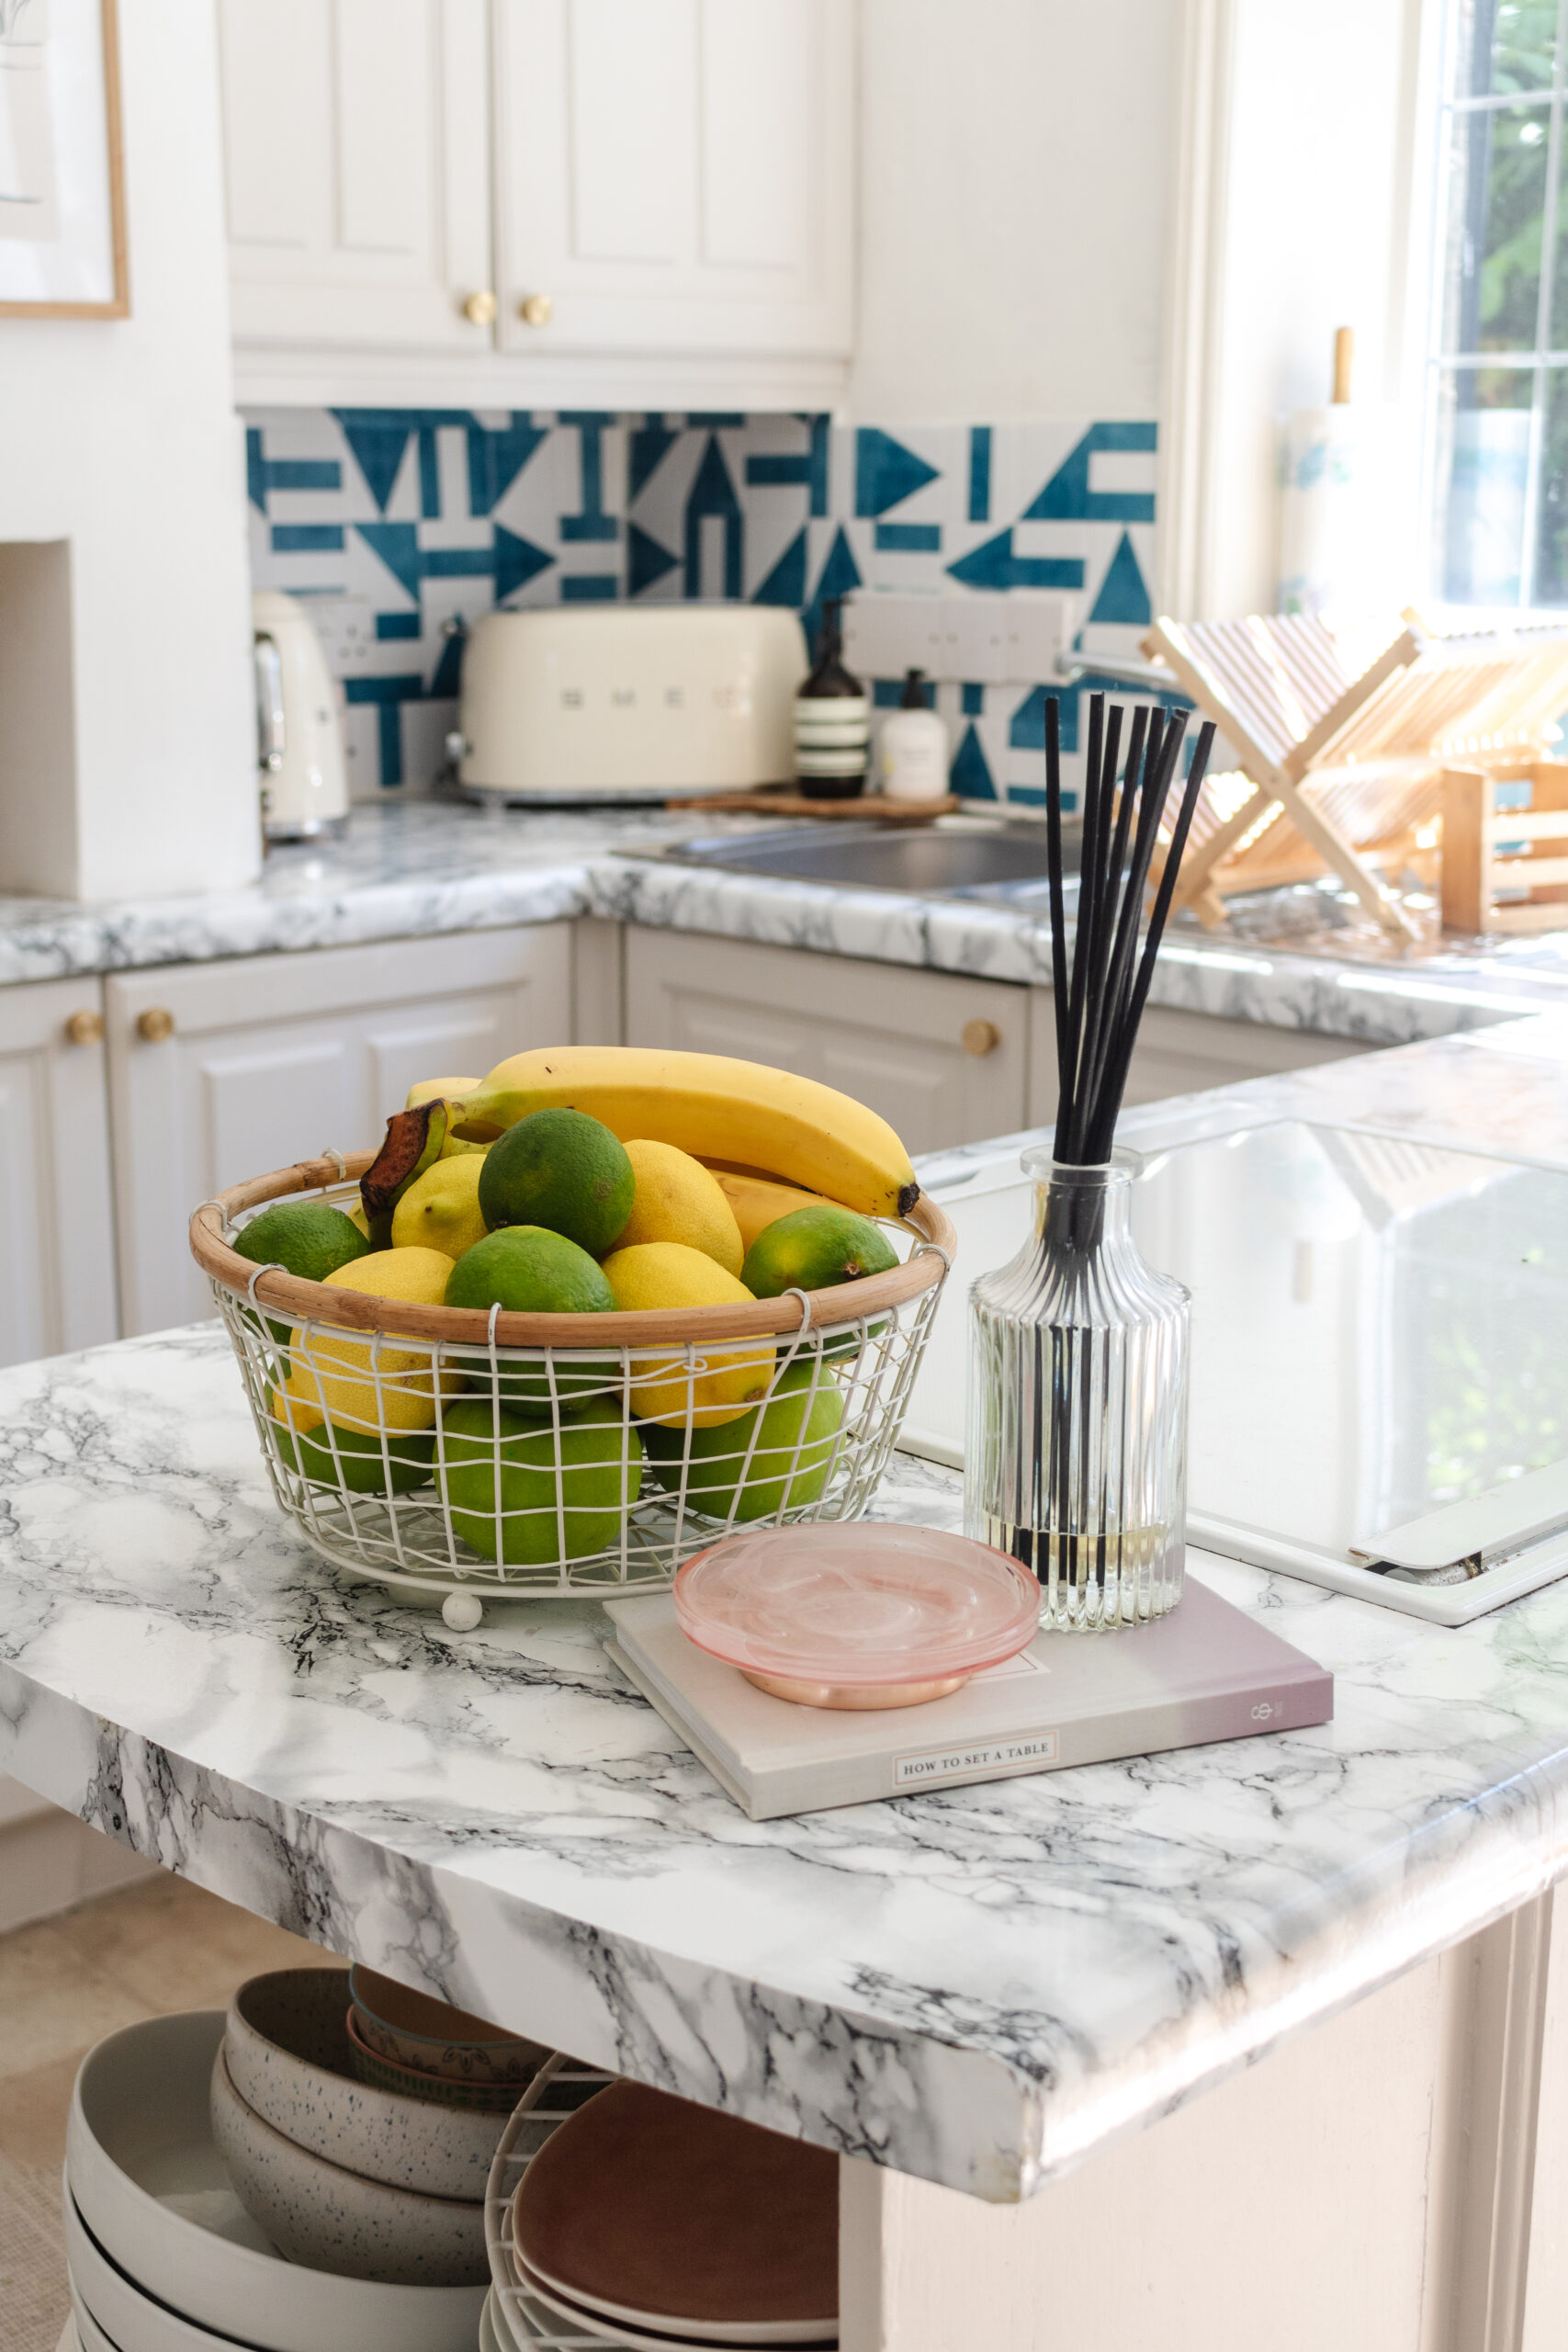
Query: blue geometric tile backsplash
x=407 y=523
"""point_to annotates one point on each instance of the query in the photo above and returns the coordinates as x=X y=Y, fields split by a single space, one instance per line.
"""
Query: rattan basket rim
x=302 y=1302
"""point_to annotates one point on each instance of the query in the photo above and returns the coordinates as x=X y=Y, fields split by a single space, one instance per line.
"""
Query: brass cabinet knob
x=981 y=1037
x=480 y=310
x=535 y=309
x=84 y=1028
x=155 y=1024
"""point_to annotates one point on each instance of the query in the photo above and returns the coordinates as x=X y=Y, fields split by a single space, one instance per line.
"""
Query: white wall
x=1014 y=166
x=120 y=437
x=50 y=1860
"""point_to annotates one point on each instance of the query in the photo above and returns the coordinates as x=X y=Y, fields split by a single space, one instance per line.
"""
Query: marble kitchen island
x=1260 y=2041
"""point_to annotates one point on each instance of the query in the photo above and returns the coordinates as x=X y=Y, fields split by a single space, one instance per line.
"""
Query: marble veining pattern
x=977 y=1985
x=430 y=867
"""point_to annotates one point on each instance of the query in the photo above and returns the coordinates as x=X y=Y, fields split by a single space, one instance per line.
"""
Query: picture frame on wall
x=63 y=235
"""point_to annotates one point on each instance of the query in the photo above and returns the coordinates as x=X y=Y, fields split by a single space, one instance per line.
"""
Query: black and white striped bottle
x=832 y=720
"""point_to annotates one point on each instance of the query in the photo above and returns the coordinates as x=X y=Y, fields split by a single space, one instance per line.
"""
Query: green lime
x=529 y=1270
x=773 y=1459
x=562 y=1170
x=532 y=1496
x=358 y=1465
x=308 y=1239
x=813 y=1249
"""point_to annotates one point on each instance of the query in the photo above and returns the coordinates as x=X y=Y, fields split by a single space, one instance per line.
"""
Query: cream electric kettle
x=304 y=789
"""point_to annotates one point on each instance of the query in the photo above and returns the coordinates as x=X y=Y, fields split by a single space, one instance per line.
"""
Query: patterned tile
x=405 y=525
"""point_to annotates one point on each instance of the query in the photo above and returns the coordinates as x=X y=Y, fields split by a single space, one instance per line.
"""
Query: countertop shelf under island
x=999 y=1990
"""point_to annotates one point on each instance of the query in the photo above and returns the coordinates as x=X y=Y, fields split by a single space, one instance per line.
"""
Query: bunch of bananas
x=740 y=1114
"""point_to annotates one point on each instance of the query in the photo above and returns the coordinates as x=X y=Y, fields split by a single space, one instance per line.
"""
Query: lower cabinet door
x=942 y=1058
x=221 y=1072
x=57 y=1267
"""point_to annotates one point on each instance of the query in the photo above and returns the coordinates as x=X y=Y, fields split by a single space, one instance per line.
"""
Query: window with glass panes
x=1500 y=363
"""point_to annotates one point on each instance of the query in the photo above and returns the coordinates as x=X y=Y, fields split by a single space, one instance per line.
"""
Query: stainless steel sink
x=1004 y=863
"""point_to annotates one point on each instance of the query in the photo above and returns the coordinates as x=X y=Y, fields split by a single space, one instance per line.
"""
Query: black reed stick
x=1100 y=1001
x=1116 y=1077
x=1067 y=1075
x=1148 y=792
x=1054 y=867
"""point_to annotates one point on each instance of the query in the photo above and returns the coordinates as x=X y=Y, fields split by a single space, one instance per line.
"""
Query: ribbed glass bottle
x=1077 y=1454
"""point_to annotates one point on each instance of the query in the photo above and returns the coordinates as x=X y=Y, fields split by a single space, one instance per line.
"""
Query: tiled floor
x=66 y=1982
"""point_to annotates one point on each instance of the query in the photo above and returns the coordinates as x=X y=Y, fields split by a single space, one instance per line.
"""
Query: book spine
x=1289 y=1705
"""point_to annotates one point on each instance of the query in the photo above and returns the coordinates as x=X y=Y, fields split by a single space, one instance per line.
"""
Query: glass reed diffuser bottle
x=1076 y=1462
x=1077 y=1455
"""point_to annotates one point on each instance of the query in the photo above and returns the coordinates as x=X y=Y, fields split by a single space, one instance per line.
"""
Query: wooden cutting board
x=768 y=801
x=672 y=2214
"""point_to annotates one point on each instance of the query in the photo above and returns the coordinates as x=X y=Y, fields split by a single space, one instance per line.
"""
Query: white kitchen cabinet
x=357 y=158
x=220 y=1071
x=57 y=1265
x=1183 y=1053
x=942 y=1057
x=540 y=202
x=675 y=175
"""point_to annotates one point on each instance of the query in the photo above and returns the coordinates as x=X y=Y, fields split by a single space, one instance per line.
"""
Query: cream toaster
x=616 y=702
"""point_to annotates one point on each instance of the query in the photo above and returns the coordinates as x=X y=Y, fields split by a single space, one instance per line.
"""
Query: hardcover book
x=1207 y=1671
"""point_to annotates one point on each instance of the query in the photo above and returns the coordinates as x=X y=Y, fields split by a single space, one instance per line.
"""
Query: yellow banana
x=712 y=1107
x=436 y=1089
x=759 y=1200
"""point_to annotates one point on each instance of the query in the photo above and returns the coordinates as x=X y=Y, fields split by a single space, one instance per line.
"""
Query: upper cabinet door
x=674 y=175
x=358 y=154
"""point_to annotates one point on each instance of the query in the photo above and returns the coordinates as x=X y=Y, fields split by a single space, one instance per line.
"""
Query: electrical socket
x=1010 y=638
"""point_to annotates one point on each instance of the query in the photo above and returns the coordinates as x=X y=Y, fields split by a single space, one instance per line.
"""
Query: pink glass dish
x=853 y=1614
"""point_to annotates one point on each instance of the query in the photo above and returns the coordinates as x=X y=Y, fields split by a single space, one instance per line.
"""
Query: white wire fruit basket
x=592 y=1452
x=519 y=2320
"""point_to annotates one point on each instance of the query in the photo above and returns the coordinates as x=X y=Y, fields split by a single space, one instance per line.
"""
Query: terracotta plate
x=675 y=2219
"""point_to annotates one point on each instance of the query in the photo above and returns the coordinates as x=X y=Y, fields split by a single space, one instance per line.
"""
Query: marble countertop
x=977 y=1985
x=436 y=866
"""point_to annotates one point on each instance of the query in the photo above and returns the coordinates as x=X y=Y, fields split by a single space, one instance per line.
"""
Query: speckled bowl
x=288 y=2057
x=410 y=2028
x=317 y=2213
x=411 y=2082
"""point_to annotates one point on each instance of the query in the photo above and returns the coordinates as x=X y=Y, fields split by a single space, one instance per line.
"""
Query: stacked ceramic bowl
x=639 y=2219
x=408 y=2044
x=351 y=2162
x=165 y=2257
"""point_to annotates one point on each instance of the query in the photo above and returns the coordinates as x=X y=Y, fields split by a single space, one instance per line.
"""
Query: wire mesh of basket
x=520 y=2320
x=514 y=1456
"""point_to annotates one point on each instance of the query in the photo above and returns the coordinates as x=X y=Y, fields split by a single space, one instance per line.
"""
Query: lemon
x=439 y=1089
x=441 y=1209
x=373 y=1383
x=703 y=1385
x=680 y=1199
